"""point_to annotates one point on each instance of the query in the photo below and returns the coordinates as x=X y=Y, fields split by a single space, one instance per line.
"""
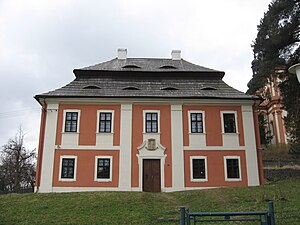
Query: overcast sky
x=42 y=41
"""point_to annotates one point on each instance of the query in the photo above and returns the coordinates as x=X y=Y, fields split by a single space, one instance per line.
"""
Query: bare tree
x=17 y=167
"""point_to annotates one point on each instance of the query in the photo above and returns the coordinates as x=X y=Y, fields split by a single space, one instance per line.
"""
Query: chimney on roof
x=176 y=54
x=122 y=53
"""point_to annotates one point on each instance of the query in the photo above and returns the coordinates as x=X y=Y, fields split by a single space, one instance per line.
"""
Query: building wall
x=139 y=136
x=85 y=170
x=215 y=168
x=213 y=125
x=87 y=133
x=128 y=148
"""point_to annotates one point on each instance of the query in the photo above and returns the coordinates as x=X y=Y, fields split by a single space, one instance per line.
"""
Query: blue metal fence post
x=271 y=212
x=182 y=215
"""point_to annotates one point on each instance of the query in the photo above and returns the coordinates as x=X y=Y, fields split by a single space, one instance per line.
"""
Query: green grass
x=147 y=208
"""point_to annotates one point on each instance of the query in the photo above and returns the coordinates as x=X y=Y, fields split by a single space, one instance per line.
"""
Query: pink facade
x=118 y=128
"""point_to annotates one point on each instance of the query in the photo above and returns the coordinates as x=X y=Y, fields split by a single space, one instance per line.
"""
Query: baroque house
x=147 y=124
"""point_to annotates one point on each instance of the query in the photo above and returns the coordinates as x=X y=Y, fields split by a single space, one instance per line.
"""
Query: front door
x=151 y=175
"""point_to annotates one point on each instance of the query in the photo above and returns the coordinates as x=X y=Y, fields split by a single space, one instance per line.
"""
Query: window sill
x=103 y=180
x=190 y=133
x=67 y=180
x=230 y=133
x=199 y=180
x=151 y=132
x=70 y=132
x=233 y=179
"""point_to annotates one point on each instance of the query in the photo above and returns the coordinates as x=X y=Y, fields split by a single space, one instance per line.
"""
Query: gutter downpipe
x=258 y=146
x=41 y=144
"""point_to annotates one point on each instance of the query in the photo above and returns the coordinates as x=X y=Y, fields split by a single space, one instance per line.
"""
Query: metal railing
x=260 y=217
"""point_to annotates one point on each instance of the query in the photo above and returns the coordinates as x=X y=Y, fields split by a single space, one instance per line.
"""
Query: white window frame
x=191 y=169
x=225 y=168
x=96 y=169
x=112 y=121
x=190 y=122
x=75 y=168
x=235 y=118
x=64 y=120
x=144 y=121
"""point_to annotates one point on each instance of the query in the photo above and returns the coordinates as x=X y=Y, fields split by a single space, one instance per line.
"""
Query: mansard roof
x=146 y=78
x=148 y=65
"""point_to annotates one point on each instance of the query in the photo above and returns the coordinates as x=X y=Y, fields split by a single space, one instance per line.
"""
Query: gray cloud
x=42 y=42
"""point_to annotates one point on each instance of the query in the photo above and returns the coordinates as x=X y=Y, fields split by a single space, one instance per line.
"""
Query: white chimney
x=176 y=55
x=122 y=53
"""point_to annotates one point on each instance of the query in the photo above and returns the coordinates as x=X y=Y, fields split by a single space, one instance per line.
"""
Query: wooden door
x=151 y=175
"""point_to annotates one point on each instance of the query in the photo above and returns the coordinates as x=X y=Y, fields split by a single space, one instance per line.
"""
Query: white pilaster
x=177 y=148
x=125 y=148
x=250 y=146
x=277 y=127
x=49 y=148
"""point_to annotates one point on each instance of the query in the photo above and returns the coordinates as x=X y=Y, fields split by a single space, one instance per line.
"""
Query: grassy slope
x=147 y=208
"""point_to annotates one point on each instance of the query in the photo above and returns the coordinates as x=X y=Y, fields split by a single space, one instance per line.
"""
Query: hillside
x=147 y=208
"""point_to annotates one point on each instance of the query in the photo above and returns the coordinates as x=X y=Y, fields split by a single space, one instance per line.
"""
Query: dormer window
x=208 y=89
x=91 y=87
x=167 y=67
x=169 y=89
x=131 y=67
x=131 y=88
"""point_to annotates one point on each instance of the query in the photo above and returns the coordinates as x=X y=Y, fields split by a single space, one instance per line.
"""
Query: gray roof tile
x=109 y=79
x=148 y=64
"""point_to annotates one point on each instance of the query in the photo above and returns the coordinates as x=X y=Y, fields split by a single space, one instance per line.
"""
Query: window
x=151 y=122
x=103 y=168
x=232 y=168
x=196 y=123
x=105 y=122
x=229 y=122
x=196 y=120
x=198 y=168
x=71 y=120
x=67 y=168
